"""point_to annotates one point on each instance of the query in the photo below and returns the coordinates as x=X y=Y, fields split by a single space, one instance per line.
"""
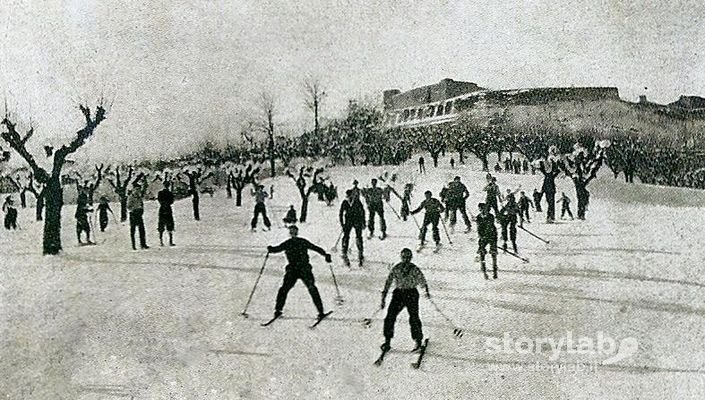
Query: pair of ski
x=315 y=324
x=415 y=365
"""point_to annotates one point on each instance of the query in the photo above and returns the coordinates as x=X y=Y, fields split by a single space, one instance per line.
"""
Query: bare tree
x=52 y=178
x=267 y=103
x=314 y=94
x=89 y=186
x=120 y=180
x=305 y=187
x=241 y=176
x=193 y=178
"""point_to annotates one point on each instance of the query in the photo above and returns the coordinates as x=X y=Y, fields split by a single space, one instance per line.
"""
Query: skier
x=166 y=216
x=422 y=165
x=103 y=208
x=373 y=196
x=550 y=171
x=406 y=276
x=565 y=207
x=493 y=193
x=82 y=224
x=508 y=220
x=443 y=194
x=457 y=195
x=487 y=235
x=524 y=205
x=525 y=166
x=497 y=168
x=290 y=217
x=352 y=215
x=452 y=163
x=537 y=200
x=260 y=195
x=10 y=213
x=433 y=209
x=298 y=267
x=331 y=193
x=135 y=206
x=355 y=189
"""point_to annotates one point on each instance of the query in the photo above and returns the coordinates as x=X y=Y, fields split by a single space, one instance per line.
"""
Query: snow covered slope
x=104 y=322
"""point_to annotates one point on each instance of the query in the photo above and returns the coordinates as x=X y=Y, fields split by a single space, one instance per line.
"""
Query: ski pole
x=446 y=231
x=395 y=211
x=415 y=221
x=534 y=235
x=334 y=249
x=511 y=253
x=261 y=271
x=338 y=298
x=458 y=332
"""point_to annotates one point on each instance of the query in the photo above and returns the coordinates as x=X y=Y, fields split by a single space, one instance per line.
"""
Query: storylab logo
x=601 y=348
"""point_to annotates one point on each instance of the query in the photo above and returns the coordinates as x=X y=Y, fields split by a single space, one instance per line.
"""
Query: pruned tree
x=120 y=180
x=314 y=94
x=28 y=184
x=582 y=166
x=432 y=138
x=52 y=178
x=267 y=106
x=241 y=176
x=193 y=177
x=89 y=186
x=305 y=181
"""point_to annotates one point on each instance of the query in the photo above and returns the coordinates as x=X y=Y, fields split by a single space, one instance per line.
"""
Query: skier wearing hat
x=406 y=277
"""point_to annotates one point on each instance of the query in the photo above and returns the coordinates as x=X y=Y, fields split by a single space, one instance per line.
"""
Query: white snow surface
x=106 y=322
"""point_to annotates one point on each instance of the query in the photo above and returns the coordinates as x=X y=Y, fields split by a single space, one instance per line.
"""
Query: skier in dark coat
x=407 y=277
x=565 y=207
x=492 y=193
x=82 y=224
x=352 y=215
x=433 y=208
x=103 y=209
x=457 y=195
x=10 y=213
x=508 y=220
x=422 y=165
x=524 y=205
x=260 y=208
x=487 y=236
x=298 y=267
x=166 y=216
x=550 y=171
x=374 y=196
x=290 y=217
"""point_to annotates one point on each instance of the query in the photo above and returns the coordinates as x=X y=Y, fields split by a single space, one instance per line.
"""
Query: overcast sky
x=179 y=71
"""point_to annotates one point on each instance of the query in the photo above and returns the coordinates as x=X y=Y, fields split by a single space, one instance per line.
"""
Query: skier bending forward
x=299 y=267
x=407 y=276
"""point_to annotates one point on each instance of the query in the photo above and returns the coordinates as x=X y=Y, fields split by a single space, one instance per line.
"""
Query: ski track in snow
x=108 y=322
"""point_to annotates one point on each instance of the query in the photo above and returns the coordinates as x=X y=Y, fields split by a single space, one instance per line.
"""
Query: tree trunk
x=229 y=188
x=23 y=198
x=123 y=207
x=485 y=163
x=238 y=197
x=434 y=156
x=196 y=211
x=582 y=196
x=52 y=225
x=461 y=157
x=304 y=208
